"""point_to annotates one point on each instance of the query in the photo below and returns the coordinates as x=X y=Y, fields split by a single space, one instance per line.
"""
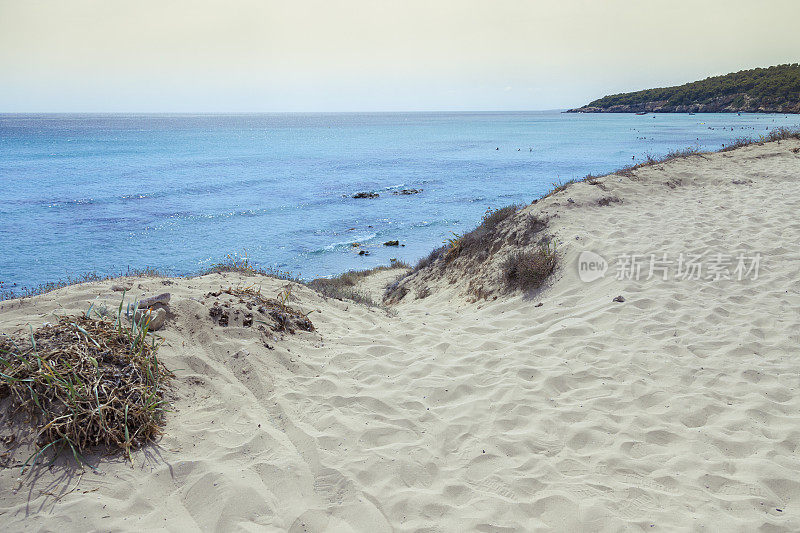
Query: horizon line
x=349 y=112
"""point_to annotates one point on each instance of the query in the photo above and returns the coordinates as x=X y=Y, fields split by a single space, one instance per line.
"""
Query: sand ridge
x=677 y=409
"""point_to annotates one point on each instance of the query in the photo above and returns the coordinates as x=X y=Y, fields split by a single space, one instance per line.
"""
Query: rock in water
x=366 y=195
x=392 y=243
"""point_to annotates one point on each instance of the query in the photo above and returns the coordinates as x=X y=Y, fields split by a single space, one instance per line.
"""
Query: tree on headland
x=773 y=89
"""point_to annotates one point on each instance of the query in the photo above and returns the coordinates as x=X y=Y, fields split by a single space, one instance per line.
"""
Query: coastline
x=105 y=214
x=563 y=408
x=239 y=261
x=692 y=108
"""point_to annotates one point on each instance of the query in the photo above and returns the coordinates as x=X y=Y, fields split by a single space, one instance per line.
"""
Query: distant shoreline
x=761 y=90
x=589 y=110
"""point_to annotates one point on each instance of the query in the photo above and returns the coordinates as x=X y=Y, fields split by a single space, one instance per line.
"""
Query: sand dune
x=677 y=409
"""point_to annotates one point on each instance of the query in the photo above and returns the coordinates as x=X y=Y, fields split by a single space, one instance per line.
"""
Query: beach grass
x=242 y=264
x=342 y=287
x=86 y=382
x=8 y=293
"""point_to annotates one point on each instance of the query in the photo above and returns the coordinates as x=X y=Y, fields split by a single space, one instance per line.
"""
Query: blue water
x=103 y=193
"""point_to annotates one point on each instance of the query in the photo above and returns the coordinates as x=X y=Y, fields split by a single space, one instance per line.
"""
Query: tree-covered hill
x=765 y=90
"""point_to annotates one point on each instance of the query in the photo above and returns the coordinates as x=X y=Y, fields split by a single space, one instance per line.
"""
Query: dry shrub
x=776 y=134
x=528 y=270
x=480 y=242
x=423 y=293
x=430 y=258
x=86 y=382
x=559 y=186
x=342 y=287
x=395 y=292
x=467 y=255
x=608 y=200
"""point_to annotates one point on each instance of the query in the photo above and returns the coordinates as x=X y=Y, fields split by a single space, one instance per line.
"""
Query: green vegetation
x=769 y=90
x=86 y=382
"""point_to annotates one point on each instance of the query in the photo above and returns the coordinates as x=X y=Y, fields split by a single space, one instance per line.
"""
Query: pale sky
x=361 y=55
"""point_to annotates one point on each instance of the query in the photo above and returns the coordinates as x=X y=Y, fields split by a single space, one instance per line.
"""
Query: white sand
x=678 y=409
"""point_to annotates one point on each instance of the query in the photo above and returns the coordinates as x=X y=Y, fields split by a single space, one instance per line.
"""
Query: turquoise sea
x=102 y=193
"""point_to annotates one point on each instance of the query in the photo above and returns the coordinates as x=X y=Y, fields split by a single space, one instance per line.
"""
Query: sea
x=105 y=193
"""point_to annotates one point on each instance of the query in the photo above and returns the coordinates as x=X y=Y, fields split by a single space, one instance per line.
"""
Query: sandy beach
x=675 y=409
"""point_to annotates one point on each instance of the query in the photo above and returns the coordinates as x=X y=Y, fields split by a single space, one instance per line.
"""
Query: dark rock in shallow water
x=392 y=243
x=407 y=192
x=365 y=194
x=363 y=252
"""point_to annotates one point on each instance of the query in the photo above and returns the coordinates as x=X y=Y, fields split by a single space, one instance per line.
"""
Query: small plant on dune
x=284 y=296
x=479 y=239
x=492 y=217
x=429 y=259
x=8 y=293
x=737 y=143
x=241 y=264
x=453 y=244
x=782 y=133
x=86 y=382
x=398 y=263
x=474 y=247
x=528 y=270
x=559 y=186
x=777 y=134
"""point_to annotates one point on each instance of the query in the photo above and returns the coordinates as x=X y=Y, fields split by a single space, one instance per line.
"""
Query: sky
x=372 y=55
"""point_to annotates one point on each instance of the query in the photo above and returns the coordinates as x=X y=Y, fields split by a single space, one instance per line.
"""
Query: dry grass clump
x=559 y=186
x=737 y=143
x=342 y=286
x=529 y=269
x=9 y=292
x=241 y=264
x=479 y=241
x=651 y=160
x=430 y=258
x=395 y=291
x=777 y=134
x=86 y=382
x=468 y=255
